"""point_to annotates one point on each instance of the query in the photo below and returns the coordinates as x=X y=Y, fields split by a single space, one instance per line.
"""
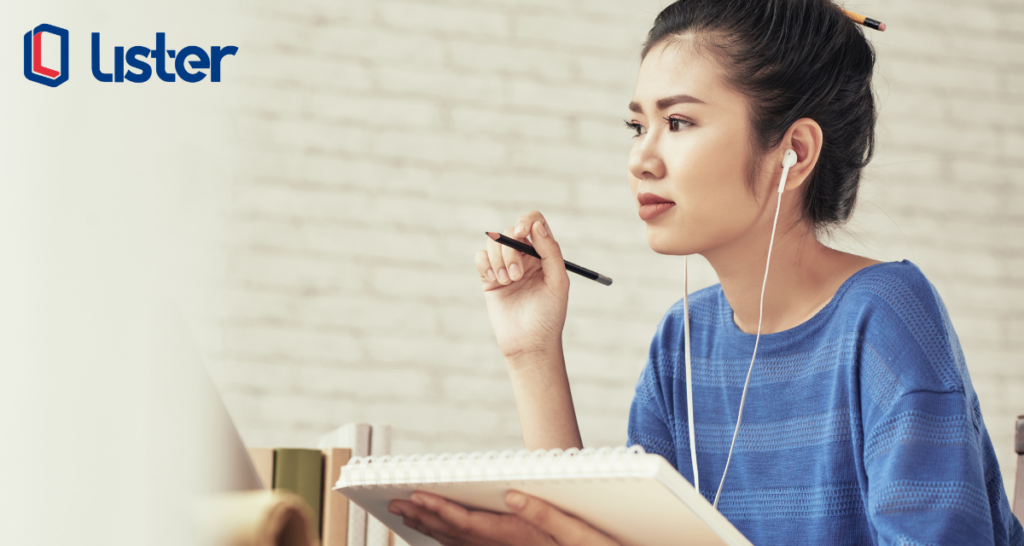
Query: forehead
x=682 y=67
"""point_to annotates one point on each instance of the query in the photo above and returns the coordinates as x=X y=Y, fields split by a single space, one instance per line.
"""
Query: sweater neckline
x=726 y=312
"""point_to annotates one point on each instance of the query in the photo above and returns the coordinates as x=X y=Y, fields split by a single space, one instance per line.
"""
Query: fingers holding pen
x=512 y=257
x=497 y=260
x=526 y=222
x=504 y=264
x=524 y=232
x=550 y=255
x=506 y=261
x=483 y=266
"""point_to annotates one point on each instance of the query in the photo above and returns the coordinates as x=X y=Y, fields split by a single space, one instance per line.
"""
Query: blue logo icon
x=34 y=69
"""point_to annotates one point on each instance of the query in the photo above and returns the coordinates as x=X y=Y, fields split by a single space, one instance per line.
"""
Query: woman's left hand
x=532 y=522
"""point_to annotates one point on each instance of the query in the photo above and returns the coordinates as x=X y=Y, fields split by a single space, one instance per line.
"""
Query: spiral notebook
x=638 y=498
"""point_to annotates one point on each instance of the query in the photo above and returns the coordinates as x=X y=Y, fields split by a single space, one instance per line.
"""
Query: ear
x=805 y=138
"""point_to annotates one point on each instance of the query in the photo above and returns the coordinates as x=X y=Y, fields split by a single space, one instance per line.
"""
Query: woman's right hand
x=526 y=297
x=532 y=522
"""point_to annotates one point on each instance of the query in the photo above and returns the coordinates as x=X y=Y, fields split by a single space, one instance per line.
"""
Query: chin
x=665 y=241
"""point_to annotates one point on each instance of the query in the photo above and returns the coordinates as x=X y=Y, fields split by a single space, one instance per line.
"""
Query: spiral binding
x=492 y=466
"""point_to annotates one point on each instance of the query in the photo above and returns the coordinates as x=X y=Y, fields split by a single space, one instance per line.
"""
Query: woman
x=861 y=425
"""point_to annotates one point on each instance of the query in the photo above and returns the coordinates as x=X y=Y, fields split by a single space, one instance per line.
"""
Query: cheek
x=714 y=201
x=712 y=171
x=719 y=188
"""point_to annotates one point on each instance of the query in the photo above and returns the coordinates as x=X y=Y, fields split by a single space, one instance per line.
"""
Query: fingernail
x=513 y=271
x=416 y=499
x=394 y=510
x=490 y=275
x=503 y=275
x=515 y=500
x=542 y=229
x=520 y=228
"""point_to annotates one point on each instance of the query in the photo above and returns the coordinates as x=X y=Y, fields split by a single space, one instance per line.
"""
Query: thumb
x=550 y=253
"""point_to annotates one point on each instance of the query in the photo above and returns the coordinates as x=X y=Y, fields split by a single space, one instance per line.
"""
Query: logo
x=188 y=63
x=34 y=69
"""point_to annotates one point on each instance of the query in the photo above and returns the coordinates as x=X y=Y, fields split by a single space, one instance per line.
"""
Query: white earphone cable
x=760 y=315
x=689 y=376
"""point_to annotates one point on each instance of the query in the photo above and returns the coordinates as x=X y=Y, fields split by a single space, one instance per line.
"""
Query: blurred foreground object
x=254 y=518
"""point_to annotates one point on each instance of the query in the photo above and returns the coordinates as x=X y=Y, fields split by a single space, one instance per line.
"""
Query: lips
x=652 y=205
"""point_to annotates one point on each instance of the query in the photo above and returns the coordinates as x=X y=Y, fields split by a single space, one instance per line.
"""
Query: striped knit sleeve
x=648 y=420
x=932 y=474
x=652 y=412
x=926 y=480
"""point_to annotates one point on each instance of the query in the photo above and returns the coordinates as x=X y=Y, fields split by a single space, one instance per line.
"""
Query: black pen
x=525 y=248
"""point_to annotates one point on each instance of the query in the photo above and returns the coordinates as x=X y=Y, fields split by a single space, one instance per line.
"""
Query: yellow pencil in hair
x=866 y=21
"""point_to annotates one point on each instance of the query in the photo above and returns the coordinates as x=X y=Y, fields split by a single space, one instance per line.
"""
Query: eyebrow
x=666 y=102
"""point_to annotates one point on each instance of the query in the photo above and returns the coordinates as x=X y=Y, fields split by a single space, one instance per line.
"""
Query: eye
x=635 y=127
x=673 y=123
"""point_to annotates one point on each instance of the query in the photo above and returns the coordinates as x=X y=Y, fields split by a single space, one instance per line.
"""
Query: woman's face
x=692 y=153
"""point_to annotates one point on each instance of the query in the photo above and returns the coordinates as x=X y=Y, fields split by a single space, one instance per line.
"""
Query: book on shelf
x=334 y=529
x=301 y=472
x=378 y=534
x=263 y=462
x=355 y=437
x=310 y=474
x=294 y=470
x=635 y=497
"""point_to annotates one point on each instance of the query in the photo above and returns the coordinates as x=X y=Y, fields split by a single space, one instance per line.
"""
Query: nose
x=645 y=160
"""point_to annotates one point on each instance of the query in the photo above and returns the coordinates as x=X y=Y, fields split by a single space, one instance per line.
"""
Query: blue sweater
x=861 y=425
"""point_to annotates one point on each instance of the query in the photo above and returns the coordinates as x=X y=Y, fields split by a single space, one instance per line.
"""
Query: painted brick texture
x=377 y=139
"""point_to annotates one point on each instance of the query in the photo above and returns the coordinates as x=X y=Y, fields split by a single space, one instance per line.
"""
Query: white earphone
x=789 y=159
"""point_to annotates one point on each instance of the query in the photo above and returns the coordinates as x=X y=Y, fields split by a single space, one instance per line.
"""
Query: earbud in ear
x=789 y=159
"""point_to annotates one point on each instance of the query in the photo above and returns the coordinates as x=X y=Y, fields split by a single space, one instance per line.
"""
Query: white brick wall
x=376 y=140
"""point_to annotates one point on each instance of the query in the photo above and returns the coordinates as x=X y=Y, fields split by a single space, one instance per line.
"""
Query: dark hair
x=793 y=59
